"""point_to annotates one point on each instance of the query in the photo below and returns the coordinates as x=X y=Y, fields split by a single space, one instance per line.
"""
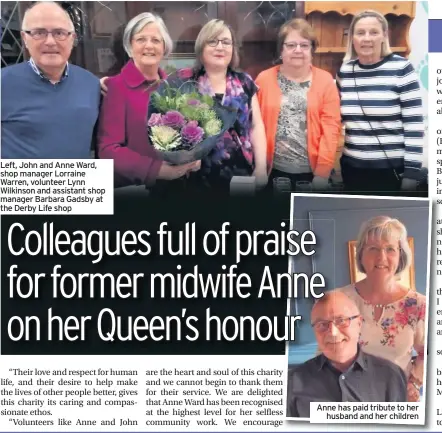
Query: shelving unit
x=331 y=21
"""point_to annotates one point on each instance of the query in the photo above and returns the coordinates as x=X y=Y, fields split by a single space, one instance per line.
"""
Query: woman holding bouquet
x=122 y=127
x=300 y=107
x=242 y=149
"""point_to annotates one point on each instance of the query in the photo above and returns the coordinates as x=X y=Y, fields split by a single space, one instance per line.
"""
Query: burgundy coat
x=122 y=133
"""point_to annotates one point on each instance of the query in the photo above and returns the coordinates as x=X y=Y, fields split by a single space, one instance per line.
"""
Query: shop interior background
x=256 y=25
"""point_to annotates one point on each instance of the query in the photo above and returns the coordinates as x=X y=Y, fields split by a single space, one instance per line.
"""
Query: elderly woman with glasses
x=393 y=315
x=301 y=110
x=122 y=132
x=382 y=112
x=242 y=149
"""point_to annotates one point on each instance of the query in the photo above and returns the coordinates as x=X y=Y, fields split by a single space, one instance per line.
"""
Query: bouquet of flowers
x=183 y=125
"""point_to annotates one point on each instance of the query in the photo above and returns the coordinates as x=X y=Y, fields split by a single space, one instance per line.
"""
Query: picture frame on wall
x=177 y=61
x=103 y=55
x=407 y=278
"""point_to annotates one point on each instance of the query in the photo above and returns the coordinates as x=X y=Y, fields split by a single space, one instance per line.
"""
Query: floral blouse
x=233 y=152
x=399 y=330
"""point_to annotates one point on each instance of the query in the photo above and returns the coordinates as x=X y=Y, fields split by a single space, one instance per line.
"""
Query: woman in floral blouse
x=393 y=315
x=242 y=151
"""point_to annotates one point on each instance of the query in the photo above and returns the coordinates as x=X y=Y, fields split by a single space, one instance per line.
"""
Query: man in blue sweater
x=49 y=107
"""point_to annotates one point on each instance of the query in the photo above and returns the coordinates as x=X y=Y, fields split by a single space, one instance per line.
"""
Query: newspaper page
x=220 y=216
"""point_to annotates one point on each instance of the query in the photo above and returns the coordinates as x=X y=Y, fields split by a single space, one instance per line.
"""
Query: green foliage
x=174 y=99
x=207 y=115
x=212 y=127
x=191 y=112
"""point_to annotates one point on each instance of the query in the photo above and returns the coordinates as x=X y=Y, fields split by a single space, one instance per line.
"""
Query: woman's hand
x=171 y=172
x=103 y=85
x=413 y=393
x=261 y=178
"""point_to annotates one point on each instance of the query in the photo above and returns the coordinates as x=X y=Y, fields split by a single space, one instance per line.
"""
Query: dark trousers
x=368 y=181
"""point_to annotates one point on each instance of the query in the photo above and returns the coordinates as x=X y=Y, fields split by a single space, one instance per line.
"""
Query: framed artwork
x=177 y=61
x=407 y=278
x=104 y=56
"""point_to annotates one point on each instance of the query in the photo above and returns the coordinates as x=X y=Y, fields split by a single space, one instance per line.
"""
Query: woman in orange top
x=300 y=107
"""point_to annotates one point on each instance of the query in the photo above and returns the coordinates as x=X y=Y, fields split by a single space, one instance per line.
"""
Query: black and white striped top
x=381 y=108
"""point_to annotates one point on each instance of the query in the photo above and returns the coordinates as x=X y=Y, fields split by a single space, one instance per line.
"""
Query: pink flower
x=192 y=134
x=193 y=102
x=185 y=73
x=412 y=311
x=421 y=315
x=393 y=329
x=155 y=120
x=173 y=119
x=401 y=318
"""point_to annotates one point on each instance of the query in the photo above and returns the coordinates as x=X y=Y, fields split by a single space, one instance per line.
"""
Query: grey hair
x=351 y=52
x=136 y=24
x=32 y=6
x=384 y=227
x=210 y=30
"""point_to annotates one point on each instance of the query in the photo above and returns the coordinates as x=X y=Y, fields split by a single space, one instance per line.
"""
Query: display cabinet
x=331 y=21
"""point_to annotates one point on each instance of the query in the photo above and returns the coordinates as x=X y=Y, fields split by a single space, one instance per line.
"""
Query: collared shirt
x=369 y=379
x=40 y=73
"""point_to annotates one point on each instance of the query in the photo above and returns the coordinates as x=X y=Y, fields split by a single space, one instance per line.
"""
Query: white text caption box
x=368 y=413
x=57 y=187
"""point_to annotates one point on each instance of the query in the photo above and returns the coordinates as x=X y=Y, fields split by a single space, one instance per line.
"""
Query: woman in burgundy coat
x=122 y=134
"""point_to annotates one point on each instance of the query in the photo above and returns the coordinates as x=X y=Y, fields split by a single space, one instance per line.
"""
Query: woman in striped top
x=381 y=108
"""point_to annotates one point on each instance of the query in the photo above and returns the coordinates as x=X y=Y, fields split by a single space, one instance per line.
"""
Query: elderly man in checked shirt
x=342 y=372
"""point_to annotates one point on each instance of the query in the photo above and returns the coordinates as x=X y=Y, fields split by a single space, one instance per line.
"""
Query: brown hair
x=301 y=26
x=211 y=30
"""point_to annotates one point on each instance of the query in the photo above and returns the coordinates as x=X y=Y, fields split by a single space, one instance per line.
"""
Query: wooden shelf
x=354 y=7
x=331 y=21
x=322 y=50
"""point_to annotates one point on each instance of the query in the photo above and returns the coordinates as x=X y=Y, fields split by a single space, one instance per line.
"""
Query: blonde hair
x=351 y=52
x=212 y=30
x=384 y=227
x=300 y=25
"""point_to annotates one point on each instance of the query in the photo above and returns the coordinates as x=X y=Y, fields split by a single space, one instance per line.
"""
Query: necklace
x=369 y=303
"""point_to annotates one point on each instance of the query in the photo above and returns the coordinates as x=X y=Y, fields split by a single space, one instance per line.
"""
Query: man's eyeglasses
x=339 y=322
x=305 y=46
x=215 y=42
x=40 y=34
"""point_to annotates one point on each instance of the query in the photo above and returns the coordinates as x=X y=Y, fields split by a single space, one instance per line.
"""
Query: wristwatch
x=415 y=385
x=415 y=382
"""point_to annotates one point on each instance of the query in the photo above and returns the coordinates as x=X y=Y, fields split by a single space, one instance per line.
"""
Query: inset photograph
x=365 y=339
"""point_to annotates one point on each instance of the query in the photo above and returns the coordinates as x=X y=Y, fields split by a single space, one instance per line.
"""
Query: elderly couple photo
x=370 y=335
x=286 y=123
